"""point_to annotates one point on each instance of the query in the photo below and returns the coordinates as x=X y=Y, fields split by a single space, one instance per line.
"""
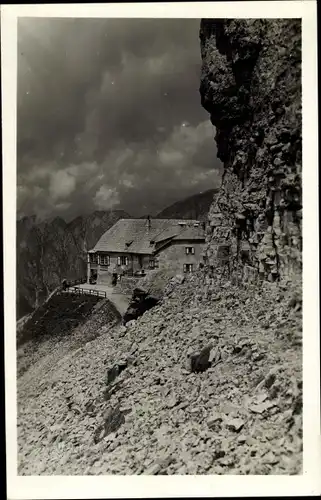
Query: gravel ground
x=241 y=416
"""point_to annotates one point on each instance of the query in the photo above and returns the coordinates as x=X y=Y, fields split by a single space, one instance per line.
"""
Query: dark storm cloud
x=109 y=115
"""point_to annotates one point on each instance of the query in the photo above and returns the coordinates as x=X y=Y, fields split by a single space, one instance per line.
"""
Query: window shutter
x=184 y=268
x=193 y=250
x=186 y=250
x=118 y=261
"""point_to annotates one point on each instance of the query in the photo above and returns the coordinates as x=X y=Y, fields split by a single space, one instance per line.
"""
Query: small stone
x=235 y=424
x=270 y=458
x=241 y=439
x=113 y=445
x=183 y=405
x=153 y=470
x=172 y=402
x=227 y=461
x=260 y=408
x=214 y=355
x=218 y=454
x=258 y=357
x=213 y=419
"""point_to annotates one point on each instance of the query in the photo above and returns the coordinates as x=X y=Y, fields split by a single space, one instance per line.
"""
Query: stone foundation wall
x=127 y=285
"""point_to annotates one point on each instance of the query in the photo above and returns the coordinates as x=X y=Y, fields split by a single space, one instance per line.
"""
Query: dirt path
x=120 y=301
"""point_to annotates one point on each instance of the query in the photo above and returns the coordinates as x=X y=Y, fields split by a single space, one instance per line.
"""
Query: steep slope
x=193 y=207
x=251 y=86
x=59 y=326
x=125 y=403
x=49 y=251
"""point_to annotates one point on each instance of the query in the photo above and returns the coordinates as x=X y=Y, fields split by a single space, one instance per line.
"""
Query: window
x=153 y=263
x=93 y=258
x=190 y=250
x=122 y=260
x=188 y=268
x=105 y=260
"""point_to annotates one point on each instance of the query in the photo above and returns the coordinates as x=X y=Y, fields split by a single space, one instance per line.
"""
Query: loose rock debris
x=97 y=413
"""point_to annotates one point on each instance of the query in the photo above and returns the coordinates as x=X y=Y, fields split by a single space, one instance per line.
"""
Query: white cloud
x=170 y=158
x=204 y=179
x=183 y=143
x=62 y=206
x=82 y=169
x=38 y=173
x=106 y=198
x=62 y=185
x=158 y=65
x=128 y=183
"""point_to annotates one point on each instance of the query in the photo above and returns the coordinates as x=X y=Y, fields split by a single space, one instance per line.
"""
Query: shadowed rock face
x=251 y=86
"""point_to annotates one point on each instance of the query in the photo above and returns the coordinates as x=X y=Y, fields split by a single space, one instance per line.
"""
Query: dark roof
x=143 y=237
x=191 y=233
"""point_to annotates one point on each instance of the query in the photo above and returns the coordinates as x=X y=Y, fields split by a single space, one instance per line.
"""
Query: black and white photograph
x=159 y=246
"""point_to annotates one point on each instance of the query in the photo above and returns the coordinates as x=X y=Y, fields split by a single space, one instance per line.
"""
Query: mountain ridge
x=192 y=207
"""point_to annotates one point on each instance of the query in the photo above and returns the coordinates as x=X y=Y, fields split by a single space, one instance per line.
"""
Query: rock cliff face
x=251 y=86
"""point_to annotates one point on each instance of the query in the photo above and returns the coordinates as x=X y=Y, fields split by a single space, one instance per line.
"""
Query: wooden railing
x=85 y=291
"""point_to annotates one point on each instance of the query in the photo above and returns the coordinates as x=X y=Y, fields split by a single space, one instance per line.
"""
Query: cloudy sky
x=109 y=116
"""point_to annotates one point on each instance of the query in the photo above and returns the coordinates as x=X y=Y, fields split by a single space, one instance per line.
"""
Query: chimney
x=148 y=222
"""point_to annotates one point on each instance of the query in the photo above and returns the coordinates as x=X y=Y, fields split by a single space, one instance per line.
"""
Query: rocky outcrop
x=251 y=86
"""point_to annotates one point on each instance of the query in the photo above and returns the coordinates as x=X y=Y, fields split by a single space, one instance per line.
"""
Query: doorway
x=93 y=276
